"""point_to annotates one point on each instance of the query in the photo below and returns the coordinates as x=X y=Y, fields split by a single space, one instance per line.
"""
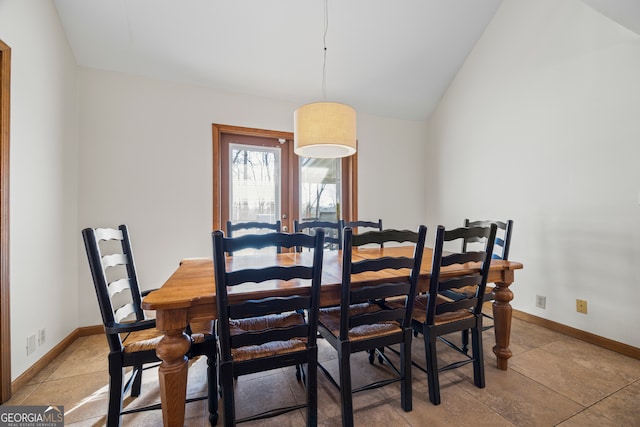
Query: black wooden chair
x=500 y=251
x=363 y=323
x=435 y=315
x=132 y=338
x=332 y=231
x=253 y=227
x=268 y=333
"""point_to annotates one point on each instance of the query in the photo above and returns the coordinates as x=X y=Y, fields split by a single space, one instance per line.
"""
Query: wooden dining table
x=189 y=295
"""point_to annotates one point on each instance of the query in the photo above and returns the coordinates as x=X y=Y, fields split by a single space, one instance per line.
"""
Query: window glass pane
x=320 y=188
x=255 y=183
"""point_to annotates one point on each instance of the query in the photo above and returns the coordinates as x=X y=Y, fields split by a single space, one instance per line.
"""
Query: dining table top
x=193 y=281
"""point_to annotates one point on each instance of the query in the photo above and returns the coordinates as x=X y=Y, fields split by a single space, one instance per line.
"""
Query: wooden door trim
x=5 y=318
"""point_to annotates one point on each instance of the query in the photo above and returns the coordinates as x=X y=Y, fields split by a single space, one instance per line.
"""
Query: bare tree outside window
x=255 y=183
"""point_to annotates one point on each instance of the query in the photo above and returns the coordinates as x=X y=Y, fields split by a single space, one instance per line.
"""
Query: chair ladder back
x=379 y=291
x=114 y=276
x=439 y=283
x=228 y=311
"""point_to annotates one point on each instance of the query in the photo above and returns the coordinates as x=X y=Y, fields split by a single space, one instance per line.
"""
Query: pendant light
x=324 y=129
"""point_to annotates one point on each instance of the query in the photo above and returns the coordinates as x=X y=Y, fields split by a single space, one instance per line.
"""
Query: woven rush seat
x=470 y=292
x=148 y=339
x=255 y=324
x=420 y=311
x=141 y=340
x=419 y=305
x=330 y=319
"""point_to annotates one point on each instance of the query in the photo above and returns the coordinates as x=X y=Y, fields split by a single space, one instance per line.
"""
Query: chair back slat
x=269 y=335
x=450 y=307
x=384 y=236
x=125 y=312
x=377 y=264
x=108 y=234
x=459 y=282
x=114 y=260
x=268 y=306
x=462 y=258
x=382 y=291
x=269 y=273
x=356 y=225
x=119 y=286
x=395 y=315
x=261 y=241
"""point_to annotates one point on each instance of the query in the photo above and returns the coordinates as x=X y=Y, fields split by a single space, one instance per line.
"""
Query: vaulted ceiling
x=388 y=58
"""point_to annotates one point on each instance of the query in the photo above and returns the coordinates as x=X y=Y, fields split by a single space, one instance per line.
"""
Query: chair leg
x=226 y=383
x=212 y=390
x=432 y=364
x=115 y=396
x=406 y=396
x=137 y=381
x=478 y=357
x=312 y=390
x=465 y=341
x=344 y=359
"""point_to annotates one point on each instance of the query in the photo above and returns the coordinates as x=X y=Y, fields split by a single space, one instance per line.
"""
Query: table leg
x=502 y=312
x=172 y=373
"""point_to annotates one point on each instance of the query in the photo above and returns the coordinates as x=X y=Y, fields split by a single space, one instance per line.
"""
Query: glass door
x=255 y=179
x=320 y=189
x=254 y=175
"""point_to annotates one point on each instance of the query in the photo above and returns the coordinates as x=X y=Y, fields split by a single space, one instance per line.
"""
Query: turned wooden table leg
x=502 y=312
x=173 y=369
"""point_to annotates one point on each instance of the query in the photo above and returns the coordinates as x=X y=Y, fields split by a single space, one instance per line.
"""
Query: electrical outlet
x=41 y=336
x=581 y=306
x=31 y=344
x=541 y=301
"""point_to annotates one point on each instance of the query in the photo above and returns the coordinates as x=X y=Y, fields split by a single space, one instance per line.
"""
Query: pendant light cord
x=324 y=43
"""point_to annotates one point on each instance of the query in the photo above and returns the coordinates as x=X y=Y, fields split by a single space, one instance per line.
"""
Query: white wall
x=43 y=187
x=93 y=148
x=146 y=160
x=544 y=117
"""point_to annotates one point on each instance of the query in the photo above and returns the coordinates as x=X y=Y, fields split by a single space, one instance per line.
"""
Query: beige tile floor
x=552 y=380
